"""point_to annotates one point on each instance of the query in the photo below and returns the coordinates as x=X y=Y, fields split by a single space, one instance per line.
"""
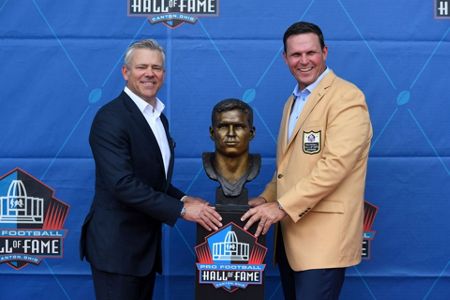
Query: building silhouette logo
x=18 y=207
x=173 y=13
x=370 y=212
x=31 y=220
x=230 y=258
x=230 y=249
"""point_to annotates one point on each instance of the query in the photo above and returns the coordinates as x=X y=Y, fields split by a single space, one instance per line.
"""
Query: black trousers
x=319 y=284
x=111 y=286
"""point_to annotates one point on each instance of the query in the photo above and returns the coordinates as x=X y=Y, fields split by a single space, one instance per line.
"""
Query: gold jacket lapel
x=282 y=138
x=312 y=102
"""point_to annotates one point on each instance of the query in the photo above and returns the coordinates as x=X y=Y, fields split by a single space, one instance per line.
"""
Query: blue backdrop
x=60 y=61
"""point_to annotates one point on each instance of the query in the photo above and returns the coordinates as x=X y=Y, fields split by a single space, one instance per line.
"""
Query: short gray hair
x=150 y=44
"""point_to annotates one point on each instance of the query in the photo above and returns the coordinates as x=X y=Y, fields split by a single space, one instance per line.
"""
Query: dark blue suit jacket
x=122 y=231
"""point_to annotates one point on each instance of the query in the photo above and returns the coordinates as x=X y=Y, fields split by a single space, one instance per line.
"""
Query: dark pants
x=319 y=284
x=111 y=286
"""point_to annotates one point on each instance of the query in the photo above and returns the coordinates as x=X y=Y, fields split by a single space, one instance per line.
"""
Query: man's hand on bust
x=199 y=211
x=265 y=214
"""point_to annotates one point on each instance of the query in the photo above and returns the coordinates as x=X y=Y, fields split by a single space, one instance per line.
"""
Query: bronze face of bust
x=231 y=164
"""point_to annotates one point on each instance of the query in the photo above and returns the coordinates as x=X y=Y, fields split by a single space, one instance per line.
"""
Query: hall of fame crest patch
x=311 y=142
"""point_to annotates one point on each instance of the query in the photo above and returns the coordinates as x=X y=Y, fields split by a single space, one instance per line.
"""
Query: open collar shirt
x=153 y=117
x=300 y=98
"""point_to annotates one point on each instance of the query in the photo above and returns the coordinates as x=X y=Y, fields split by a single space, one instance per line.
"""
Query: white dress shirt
x=152 y=115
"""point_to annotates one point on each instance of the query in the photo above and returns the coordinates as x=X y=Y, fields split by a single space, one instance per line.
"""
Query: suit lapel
x=137 y=116
x=315 y=97
x=171 y=147
x=282 y=139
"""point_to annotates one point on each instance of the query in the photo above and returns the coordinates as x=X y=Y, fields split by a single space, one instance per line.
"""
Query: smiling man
x=317 y=191
x=133 y=154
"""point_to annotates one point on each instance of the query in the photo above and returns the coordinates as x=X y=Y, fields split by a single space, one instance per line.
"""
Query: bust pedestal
x=230 y=261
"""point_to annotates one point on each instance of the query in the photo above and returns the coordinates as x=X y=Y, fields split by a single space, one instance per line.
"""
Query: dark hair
x=232 y=104
x=303 y=27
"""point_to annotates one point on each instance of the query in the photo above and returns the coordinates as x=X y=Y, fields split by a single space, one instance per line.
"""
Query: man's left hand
x=267 y=214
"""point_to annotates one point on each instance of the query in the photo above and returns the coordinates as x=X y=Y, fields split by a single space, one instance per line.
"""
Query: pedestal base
x=230 y=260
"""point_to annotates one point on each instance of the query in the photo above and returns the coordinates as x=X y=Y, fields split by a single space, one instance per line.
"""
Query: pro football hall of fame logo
x=173 y=13
x=230 y=258
x=31 y=220
x=370 y=211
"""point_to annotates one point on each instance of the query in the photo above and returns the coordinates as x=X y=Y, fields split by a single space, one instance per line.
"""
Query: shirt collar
x=145 y=106
x=308 y=90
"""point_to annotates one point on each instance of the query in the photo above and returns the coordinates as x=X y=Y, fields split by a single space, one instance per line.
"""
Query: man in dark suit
x=133 y=153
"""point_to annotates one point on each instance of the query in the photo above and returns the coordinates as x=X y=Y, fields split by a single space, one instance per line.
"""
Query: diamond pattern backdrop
x=61 y=61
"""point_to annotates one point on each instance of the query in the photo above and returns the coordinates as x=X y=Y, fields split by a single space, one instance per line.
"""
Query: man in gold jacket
x=317 y=191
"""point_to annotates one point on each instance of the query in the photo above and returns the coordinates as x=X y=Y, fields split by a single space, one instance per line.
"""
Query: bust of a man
x=231 y=164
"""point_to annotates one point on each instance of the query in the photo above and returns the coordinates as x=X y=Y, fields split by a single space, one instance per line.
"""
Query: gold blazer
x=320 y=176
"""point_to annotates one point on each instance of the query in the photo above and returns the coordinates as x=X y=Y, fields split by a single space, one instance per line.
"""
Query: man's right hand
x=199 y=211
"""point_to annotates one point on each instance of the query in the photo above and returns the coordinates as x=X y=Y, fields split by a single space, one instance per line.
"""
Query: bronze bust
x=231 y=164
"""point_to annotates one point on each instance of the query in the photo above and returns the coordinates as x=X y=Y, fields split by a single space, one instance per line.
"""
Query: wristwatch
x=183 y=212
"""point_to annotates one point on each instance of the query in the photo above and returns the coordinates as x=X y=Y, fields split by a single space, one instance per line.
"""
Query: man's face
x=231 y=133
x=145 y=73
x=305 y=58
